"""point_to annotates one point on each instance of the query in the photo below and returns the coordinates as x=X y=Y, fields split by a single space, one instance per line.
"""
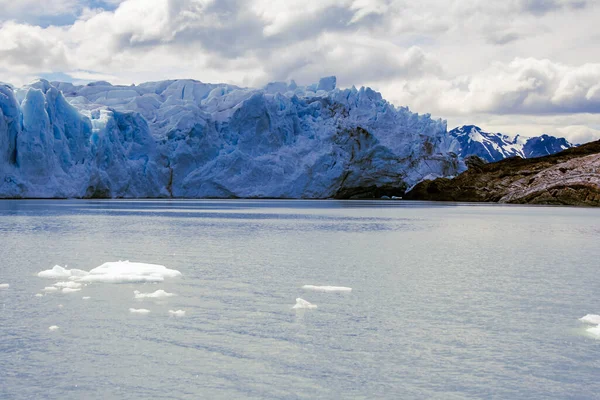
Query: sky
x=512 y=66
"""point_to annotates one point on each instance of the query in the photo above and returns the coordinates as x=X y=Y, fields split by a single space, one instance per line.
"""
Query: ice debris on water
x=53 y=328
x=70 y=290
x=159 y=294
x=39 y=295
x=69 y=284
x=114 y=272
x=86 y=297
x=4 y=285
x=178 y=313
x=58 y=272
x=303 y=304
x=592 y=319
x=327 y=288
x=139 y=311
x=50 y=289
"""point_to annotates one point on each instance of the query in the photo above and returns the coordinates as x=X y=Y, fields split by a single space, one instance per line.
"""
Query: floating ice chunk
x=303 y=304
x=139 y=311
x=60 y=306
x=53 y=328
x=39 y=295
x=70 y=290
x=159 y=294
x=178 y=313
x=594 y=331
x=4 y=285
x=125 y=271
x=58 y=272
x=50 y=289
x=86 y=297
x=327 y=288
x=591 y=319
x=69 y=284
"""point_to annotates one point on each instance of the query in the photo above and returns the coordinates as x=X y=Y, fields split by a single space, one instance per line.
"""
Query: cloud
x=523 y=86
x=455 y=58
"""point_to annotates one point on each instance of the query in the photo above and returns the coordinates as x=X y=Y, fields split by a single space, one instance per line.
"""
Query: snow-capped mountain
x=186 y=138
x=496 y=146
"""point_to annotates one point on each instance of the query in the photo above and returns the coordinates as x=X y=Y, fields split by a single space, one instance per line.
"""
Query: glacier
x=188 y=139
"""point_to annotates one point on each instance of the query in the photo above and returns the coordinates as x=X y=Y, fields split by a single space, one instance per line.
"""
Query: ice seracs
x=302 y=304
x=185 y=138
x=327 y=288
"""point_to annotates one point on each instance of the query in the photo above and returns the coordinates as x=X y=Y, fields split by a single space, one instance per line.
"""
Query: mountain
x=570 y=177
x=185 y=138
x=496 y=146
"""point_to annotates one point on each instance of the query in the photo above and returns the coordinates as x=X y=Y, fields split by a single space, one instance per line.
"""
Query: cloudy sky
x=513 y=66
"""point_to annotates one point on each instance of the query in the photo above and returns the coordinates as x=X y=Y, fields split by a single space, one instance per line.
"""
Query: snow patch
x=327 y=288
x=139 y=311
x=303 y=304
x=159 y=294
x=178 y=313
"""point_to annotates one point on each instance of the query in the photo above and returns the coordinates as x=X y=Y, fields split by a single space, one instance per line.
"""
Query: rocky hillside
x=571 y=177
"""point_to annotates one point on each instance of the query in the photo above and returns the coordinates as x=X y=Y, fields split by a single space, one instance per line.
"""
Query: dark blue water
x=449 y=301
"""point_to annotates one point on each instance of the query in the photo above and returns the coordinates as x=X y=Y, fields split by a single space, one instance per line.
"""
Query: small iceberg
x=50 y=289
x=70 y=290
x=39 y=295
x=594 y=331
x=303 y=304
x=591 y=319
x=159 y=294
x=178 y=313
x=69 y=284
x=53 y=328
x=129 y=272
x=139 y=311
x=4 y=285
x=58 y=272
x=86 y=297
x=327 y=288
x=114 y=272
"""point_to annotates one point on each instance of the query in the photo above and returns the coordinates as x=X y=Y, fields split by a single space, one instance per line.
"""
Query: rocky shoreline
x=571 y=177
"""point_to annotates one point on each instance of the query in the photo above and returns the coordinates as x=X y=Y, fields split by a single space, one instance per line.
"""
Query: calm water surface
x=449 y=301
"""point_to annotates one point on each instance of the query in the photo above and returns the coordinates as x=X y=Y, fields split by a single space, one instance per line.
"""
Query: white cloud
x=459 y=58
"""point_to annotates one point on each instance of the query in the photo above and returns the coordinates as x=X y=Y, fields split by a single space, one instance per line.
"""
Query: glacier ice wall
x=186 y=138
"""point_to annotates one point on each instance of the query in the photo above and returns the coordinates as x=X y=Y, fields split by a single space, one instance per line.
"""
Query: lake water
x=449 y=301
